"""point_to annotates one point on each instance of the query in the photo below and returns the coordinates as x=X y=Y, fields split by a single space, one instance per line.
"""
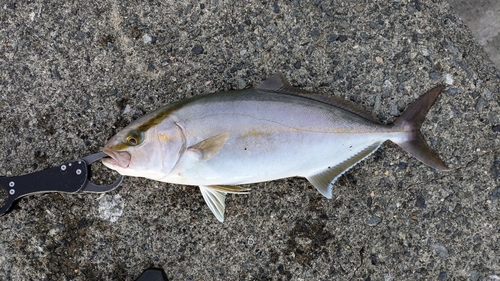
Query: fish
x=223 y=140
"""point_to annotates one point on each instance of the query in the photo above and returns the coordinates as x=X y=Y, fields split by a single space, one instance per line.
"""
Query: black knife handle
x=70 y=178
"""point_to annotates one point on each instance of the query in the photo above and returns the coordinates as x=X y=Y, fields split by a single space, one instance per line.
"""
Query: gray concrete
x=483 y=18
x=73 y=73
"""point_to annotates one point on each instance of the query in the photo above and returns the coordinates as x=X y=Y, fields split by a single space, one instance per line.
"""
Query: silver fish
x=221 y=140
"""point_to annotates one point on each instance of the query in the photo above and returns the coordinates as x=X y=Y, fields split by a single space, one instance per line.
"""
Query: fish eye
x=133 y=139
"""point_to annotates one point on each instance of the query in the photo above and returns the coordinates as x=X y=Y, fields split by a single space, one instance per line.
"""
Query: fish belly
x=241 y=163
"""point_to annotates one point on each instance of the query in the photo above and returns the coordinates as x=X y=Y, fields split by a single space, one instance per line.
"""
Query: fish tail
x=410 y=122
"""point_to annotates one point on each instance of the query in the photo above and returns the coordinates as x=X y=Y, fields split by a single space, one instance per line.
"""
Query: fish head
x=150 y=152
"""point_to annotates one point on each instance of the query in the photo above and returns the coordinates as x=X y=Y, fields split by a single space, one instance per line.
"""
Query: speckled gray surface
x=69 y=71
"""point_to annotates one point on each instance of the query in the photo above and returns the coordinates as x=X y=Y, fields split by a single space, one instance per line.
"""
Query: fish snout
x=118 y=158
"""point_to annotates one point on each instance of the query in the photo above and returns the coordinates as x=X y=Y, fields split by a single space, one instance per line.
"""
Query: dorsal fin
x=277 y=83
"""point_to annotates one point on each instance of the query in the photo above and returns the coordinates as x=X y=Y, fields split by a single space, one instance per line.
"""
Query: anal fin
x=324 y=180
x=215 y=197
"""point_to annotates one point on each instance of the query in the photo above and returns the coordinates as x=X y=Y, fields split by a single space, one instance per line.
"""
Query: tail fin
x=411 y=120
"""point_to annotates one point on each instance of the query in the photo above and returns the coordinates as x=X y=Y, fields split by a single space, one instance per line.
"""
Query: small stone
x=377 y=25
x=495 y=168
x=474 y=275
x=379 y=60
x=438 y=66
x=146 y=38
x=376 y=106
x=441 y=250
x=197 y=49
x=402 y=165
x=496 y=128
x=297 y=64
x=332 y=37
x=494 y=118
x=448 y=79
x=435 y=75
x=342 y=38
x=373 y=221
x=310 y=50
x=241 y=84
x=452 y=91
x=361 y=58
x=111 y=207
x=394 y=110
x=269 y=44
x=79 y=35
x=127 y=109
x=243 y=52
x=276 y=8
x=359 y=8
x=487 y=94
x=480 y=104
x=475 y=94
x=420 y=203
x=442 y=276
x=314 y=32
x=411 y=8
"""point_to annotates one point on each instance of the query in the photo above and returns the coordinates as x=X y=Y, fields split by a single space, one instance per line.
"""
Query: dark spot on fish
x=245 y=148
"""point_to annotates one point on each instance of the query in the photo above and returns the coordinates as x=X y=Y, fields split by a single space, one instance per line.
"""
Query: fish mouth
x=117 y=158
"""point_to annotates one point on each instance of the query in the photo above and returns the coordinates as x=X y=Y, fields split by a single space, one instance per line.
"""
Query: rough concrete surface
x=483 y=18
x=74 y=72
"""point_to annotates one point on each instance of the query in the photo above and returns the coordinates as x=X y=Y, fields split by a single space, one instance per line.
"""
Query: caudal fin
x=411 y=120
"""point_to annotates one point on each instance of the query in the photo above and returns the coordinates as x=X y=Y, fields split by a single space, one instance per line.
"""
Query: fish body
x=221 y=140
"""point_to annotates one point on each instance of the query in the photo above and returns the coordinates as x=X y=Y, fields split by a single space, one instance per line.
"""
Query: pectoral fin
x=324 y=180
x=215 y=197
x=208 y=148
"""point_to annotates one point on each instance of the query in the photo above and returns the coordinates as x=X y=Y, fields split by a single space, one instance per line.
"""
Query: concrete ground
x=483 y=18
x=74 y=72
